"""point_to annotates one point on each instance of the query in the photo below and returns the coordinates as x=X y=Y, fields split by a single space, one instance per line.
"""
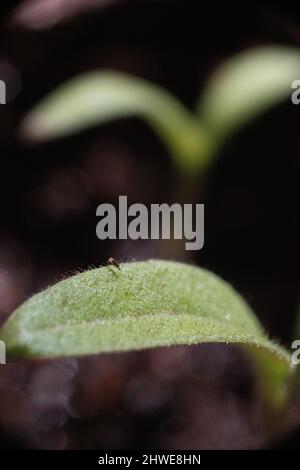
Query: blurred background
x=197 y=397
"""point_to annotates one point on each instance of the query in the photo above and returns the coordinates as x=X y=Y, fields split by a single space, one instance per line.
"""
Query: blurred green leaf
x=246 y=85
x=144 y=305
x=99 y=97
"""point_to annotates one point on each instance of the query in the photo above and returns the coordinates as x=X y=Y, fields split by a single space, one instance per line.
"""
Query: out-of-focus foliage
x=240 y=89
x=98 y=97
x=43 y=14
x=246 y=85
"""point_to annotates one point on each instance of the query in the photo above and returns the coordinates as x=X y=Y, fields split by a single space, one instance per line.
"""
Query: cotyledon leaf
x=98 y=97
x=246 y=85
x=142 y=305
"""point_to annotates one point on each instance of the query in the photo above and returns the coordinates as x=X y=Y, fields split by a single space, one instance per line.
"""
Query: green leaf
x=145 y=304
x=246 y=85
x=99 y=97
